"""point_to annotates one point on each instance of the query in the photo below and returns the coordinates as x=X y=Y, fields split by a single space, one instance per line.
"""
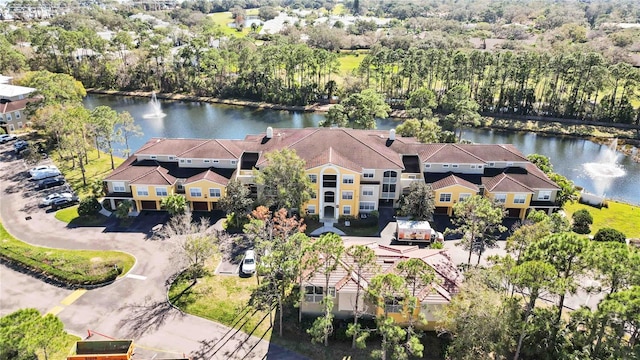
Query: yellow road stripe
x=56 y=310
x=73 y=297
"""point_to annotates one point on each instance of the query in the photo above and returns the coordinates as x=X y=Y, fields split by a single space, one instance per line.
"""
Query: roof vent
x=269 y=132
x=392 y=134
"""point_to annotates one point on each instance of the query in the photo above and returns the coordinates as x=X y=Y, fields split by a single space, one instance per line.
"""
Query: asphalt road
x=135 y=306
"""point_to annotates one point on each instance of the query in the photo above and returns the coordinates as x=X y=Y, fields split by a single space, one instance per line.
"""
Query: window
x=390 y=176
x=329 y=197
x=368 y=174
x=426 y=166
x=19 y=124
x=172 y=158
x=492 y=164
x=153 y=156
x=445 y=197
x=17 y=114
x=500 y=198
x=445 y=165
x=142 y=191
x=215 y=161
x=347 y=195
x=233 y=162
x=316 y=293
x=367 y=206
x=479 y=166
x=389 y=188
x=214 y=193
x=8 y=117
x=544 y=195
x=393 y=305
x=313 y=178
x=519 y=198
x=347 y=179
x=454 y=165
x=182 y=161
x=330 y=181
x=118 y=187
x=311 y=209
x=206 y=161
x=346 y=210
x=464 y=196
x=188 y=161
x=367 y=192
x=195 y=192
x=161 y=191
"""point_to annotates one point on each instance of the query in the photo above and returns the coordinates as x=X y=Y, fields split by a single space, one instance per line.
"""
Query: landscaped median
x=71 y=268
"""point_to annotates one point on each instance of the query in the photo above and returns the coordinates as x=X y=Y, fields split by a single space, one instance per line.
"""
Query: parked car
x=63 y=202
x=50 y=182
x=249 y=262
x=43 y=174
x=46 y=201
x=20 y=145
x=7 y=137
x=40 y=168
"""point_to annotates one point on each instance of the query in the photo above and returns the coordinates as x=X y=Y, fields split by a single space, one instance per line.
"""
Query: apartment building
x=352 y=171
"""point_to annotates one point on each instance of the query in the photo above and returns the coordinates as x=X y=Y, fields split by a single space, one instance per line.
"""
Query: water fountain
x=156 y=109
x=605 y=168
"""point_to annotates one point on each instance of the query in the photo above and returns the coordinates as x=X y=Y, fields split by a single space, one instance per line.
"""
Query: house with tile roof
x=343 y=284
x=352 y=172
x=13 y=102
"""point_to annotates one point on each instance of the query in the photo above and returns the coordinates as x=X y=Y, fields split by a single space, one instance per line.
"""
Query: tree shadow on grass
x=146 y=317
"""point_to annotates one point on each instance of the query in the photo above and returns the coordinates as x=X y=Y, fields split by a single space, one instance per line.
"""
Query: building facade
x=13 y=102
x=352 y=172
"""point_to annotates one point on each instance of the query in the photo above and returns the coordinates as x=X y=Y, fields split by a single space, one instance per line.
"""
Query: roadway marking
x=55 y=311
x=73 y=297
x=137 y=277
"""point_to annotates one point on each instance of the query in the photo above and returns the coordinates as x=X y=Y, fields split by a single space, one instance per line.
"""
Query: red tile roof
x=505 y=183
x=454 y=180
x=208 y=175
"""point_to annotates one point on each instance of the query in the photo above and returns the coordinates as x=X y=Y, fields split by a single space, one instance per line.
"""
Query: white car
x=43 y=174
x=41 y=168
x=249 y=262
x=49 y=199
x=7 y=137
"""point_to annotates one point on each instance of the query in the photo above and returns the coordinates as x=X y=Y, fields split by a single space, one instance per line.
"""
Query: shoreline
x=398 y=114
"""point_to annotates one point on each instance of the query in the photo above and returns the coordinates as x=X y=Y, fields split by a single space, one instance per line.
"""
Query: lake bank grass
x=620 y=216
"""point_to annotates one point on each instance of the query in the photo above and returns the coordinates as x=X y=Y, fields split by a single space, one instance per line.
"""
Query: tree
x=426 y=131
x=623 y=310
x=55 y=88
x=568 y=191
x=542 y=162
x=525 y=235
x=569 y=254
x=532 y=279
x=463 y=110
x=582 y=221
x=324 y=257
x=617 y=266
x=175 y=204
x=194 y=242
x=286 y=184
x=419 y=203
x=385 y=290
x=126 y=130
x=364 y=261
x=359 y=110
x=477 y=218
x=89 y=207
x=123 y=208
x=104 y=120
x=236 y=201
x=609 y=234
x=421 y=102
x=26 y=331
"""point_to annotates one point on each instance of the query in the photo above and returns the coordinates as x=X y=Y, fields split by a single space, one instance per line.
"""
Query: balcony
x=245 y=173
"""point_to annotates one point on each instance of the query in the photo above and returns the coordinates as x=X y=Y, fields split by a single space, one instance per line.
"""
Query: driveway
x=135 y=306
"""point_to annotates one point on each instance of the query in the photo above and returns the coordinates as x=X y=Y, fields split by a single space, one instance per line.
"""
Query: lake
x=204 y=120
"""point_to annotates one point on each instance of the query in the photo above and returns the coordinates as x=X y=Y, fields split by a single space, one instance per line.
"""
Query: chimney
x=269 y=132
x=392 y=134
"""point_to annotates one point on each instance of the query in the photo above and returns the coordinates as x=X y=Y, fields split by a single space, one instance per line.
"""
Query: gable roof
x=452 y=153
x=15 y=105
x=452 y=180
x=505 y=183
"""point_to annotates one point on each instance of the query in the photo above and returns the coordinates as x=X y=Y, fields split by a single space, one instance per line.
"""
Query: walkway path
x=134 y=307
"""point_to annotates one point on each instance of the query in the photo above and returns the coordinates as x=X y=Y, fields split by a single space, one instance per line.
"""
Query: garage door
x=200 y=206
x=442 y=210
x=149 y=205
x=513 y=213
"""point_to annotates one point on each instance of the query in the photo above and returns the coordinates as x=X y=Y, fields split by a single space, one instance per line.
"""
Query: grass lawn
x=97 y=169
x=70 y=216
x=223 y=19
x=66 y=345
x=77 y=267
x=221 y=298
x=350 y=61
x=620 y=216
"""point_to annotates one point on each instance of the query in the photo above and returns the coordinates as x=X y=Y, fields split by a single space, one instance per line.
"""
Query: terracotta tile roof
x=210 y=175
x=454 y=180
x=494 y=152
x=535 y=179
x=505 y=183
x=175 y=147
x=331 y=156
x=156 y=176
x=15 y=105
x=212 y=149
x=452 y=153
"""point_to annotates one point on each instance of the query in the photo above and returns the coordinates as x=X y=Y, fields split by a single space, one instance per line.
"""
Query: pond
x=203 y=120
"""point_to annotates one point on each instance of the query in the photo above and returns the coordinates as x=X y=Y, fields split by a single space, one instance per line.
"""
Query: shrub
x=582 y=221
x=89 y=207
x=436 y=245
x=610 y=234
x=122 y=210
